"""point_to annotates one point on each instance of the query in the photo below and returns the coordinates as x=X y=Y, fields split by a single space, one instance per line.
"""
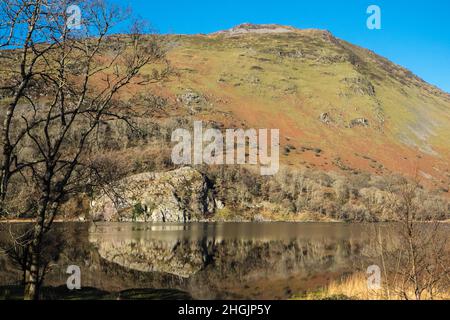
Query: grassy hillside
x=350 y=122
x=364 y=113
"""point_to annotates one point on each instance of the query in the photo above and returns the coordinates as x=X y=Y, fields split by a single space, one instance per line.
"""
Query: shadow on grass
x=62 y=293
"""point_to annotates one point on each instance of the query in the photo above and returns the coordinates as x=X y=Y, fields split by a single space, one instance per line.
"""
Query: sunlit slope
x=338 y=106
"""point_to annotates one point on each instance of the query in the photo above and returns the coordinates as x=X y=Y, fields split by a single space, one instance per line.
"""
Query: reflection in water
x=227 y=231
x=236 y=259
x=211 y=260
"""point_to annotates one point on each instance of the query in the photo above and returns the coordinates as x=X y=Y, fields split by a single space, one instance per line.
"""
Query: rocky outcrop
x=325 y=118
x=360 y=86
x=362 y=122
x=194 y=101
x=180 y=195
x=249 y=28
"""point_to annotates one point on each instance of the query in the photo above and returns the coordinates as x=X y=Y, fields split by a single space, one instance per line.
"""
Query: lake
x=208 y=260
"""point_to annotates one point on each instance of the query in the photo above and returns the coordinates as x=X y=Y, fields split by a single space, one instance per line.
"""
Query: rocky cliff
x=180 y=195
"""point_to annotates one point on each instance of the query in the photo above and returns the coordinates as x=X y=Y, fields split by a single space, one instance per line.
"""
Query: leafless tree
x=58 y=85
x=415 y=254
x=16 y=244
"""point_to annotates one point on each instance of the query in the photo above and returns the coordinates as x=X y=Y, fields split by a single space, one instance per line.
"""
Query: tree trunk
x=32 y=272
x=32 y=275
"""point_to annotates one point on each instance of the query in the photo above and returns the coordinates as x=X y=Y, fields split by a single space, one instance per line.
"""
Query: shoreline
x=28 y=220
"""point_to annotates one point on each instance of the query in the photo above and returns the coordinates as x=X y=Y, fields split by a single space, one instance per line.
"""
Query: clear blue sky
x=415 y=33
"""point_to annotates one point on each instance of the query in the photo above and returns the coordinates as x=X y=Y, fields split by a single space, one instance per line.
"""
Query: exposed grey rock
x=359 y=122
x=247 y=28
x=325 y=118
x=219 y=204
x=190 y=97
x=193 y=100
x=180 y=195
x=259 y=218
x=360 y=86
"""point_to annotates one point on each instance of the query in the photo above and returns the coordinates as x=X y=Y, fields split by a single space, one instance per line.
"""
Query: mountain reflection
x=210 y=260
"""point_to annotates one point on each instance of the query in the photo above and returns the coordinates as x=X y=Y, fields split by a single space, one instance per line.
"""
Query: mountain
x=350 y=123
x=339 y=107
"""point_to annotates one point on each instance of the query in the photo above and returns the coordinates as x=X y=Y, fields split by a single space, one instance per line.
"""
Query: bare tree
x=16 y=245
x=415 y=254
x=59 y=85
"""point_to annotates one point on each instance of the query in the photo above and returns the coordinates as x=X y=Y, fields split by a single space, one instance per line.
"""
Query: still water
x=209 y=260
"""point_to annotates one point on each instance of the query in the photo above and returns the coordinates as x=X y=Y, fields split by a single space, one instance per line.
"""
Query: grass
x=305 y=216
x=224 y=214
x=228 y=215
x=354 y=287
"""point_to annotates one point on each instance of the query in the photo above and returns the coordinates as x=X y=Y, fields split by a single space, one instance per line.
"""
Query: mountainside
x=350 y=124
x=339 y=107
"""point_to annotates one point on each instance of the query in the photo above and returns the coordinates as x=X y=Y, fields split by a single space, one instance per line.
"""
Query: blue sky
x=414 y=34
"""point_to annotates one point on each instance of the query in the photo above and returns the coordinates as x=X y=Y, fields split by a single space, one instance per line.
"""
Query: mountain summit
x=246 y=28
